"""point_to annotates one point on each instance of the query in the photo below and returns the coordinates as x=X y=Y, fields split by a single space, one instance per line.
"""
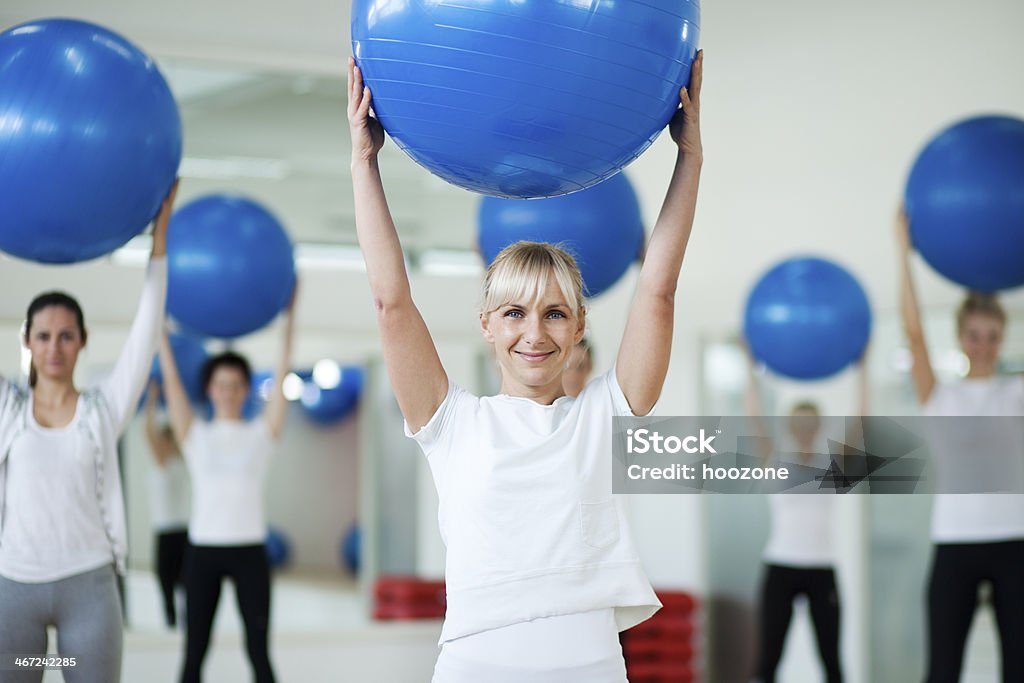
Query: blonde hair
x=520 y=273
x=979 y=303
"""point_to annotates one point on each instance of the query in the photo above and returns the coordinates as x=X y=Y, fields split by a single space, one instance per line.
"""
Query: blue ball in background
x=230 y=266
x=965 y=201
x=351 y=548
x=807 y=318
x=278 y=548
x=327 y=406
x=90 y=140
x=525 y=99
x=601 y=226
x=190 y=356
x=262 y=380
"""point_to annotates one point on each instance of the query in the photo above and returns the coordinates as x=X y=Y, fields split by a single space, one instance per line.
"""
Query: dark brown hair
x=228 y=359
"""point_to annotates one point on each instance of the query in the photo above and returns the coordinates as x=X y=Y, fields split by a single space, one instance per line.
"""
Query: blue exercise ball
x=351 y=548
x=278 y=548
x=190 y=356
x=90 y=140
x=965 y=200
x=807 y=318
x=525 y=99
x=262 y=384
x=230 y=266
x=601 y=226
x=327 y=405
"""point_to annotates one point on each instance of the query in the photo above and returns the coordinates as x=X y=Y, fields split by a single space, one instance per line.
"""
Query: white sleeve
x=123 y=387
x=619 y=402
x=440 y=423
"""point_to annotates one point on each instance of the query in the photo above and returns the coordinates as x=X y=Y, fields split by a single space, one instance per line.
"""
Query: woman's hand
x=685 y=124
x=366 y=132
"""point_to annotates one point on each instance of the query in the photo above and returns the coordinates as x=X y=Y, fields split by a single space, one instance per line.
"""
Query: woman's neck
x=54 y=392
x=545 y=395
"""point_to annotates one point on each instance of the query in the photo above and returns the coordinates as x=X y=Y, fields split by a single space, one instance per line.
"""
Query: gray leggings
x=85 y=609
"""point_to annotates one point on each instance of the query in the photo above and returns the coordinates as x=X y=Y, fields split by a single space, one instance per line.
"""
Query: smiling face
x=981 y=336
x=533 y=340
x=55 y=339
x=533 y=315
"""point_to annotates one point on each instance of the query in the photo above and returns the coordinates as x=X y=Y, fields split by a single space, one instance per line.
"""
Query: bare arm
x=921 y=369
x=162 y=450
x=277 y=409
x=179 y=411
x=417 y=377
x=647 y=341
x=756 y=411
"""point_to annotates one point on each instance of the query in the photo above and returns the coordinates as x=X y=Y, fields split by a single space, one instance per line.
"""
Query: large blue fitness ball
x=230 y=264
x=965 y=200
x=90 y=140
x=601 y=226
x=807 y=318
x=530 y=98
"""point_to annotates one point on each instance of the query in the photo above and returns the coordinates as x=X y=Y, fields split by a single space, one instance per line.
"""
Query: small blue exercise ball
x=601 y=226
x=965 y=201
x=525 y=99
x=351 y=548
x=278 y=548
x=230 y=266
x=90 y=140
x=807 y=318
x=190 y=356
x=327 y=405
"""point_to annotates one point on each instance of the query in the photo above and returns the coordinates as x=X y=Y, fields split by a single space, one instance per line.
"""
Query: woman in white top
x=62 y=522
x=978 y=537
x=227 y=459
x=168 y=505
x=540 y=569
x=799 y=558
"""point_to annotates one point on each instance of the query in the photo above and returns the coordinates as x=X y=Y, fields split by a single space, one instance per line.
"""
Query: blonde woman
x=541 y=573
x=978 y=537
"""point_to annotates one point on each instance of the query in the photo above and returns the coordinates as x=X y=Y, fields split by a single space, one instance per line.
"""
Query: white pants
x=574 y=648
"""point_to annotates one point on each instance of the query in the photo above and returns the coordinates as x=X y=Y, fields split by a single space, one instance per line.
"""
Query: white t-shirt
x=802 y=530
x=227 y=460
x=169 y=495
x=53 y=527
x=979 y=517
x=571 y=647
x=803 y=524
x=526 y=509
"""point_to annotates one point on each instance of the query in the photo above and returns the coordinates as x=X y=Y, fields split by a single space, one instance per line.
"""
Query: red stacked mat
x=663 y=648
x=408 y=597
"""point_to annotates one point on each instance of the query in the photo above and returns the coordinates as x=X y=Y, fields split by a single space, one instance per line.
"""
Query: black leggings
x=957 y=571
x=781 y=586
x=170 y=560
x=205 y=568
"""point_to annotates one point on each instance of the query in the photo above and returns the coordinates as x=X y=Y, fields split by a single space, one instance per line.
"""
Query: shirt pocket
x=599 y=523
